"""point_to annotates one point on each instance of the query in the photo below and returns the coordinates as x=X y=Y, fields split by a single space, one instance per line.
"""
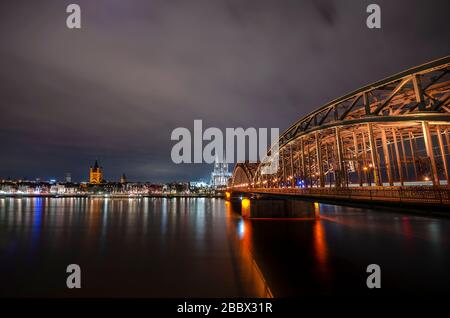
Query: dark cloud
x=327 y=11
x=138 y=69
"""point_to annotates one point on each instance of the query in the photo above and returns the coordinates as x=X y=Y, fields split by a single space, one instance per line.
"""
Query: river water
x=199 y=247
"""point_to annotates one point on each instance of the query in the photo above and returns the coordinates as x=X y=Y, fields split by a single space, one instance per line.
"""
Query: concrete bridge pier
x=251 y=206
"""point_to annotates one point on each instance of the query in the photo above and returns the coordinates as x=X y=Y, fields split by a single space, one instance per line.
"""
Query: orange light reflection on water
x=320 y=245
x=252 y=278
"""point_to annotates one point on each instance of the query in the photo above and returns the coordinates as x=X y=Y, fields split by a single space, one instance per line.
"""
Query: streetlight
x=367 y=172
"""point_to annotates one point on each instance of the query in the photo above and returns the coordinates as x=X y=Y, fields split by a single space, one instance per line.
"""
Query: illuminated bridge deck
x=421 y=196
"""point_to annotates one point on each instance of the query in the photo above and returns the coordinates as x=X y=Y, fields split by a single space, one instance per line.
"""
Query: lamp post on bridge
x=367 y=171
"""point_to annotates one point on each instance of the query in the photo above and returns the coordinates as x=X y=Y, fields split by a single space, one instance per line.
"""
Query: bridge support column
x=413 y=156
x=405 y=162
x=397 y=155
x=283 y=166
x=327 y=155
x=447 y=140
x=309 y=165
x=302 y=151
x=319 y=160
x=387 y=161
x=340 y=178
x=292 y=167
x=297 y=163
x=392 y=158
x=357 y=161
x=275 y=208
x=374 y=157
x=441 y=147
x=364 y=155
x=430 y=153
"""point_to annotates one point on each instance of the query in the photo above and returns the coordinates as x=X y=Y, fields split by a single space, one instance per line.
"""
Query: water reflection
x=250 y=271
x=145 y=247
x=241 y=229
x=320 y=245
x=154 y=247
x=329 y=254
x=36 y=220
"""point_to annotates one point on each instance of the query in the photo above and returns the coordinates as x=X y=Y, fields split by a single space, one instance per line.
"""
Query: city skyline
x=88 y=177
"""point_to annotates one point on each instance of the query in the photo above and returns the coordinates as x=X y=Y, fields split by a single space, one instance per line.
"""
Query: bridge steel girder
x=433 y=74
x=410 y=108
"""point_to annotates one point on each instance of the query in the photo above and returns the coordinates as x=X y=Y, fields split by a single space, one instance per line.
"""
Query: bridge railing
x=419 y=194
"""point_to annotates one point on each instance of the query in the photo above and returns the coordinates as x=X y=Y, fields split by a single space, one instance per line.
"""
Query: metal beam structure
x=390 y=133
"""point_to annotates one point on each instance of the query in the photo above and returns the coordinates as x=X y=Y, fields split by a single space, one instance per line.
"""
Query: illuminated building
x=95 y=174
x=123 y=179
x=220 y=175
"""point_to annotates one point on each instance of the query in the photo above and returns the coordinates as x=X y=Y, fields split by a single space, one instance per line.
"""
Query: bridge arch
x=243 y=174
x=392 y=132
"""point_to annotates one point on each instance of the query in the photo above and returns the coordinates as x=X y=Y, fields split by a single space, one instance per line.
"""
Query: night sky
x=137 y=69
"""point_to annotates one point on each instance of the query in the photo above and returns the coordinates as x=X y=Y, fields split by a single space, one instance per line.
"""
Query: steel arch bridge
x=394 y=132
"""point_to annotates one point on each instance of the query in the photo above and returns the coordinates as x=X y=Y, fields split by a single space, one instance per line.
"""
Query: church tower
x=220 y=175
x=95 y=174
